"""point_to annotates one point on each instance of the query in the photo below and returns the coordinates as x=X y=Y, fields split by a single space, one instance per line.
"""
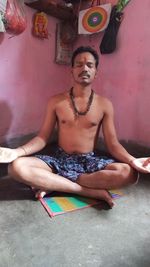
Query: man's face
x=84 y=69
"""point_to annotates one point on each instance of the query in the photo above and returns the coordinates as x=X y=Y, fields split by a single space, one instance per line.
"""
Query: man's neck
x=82 y=90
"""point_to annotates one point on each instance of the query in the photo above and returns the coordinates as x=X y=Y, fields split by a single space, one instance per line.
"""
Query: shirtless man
x=79 y=113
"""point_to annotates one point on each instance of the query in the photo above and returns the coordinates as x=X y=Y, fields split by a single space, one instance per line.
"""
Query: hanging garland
x=108 y=43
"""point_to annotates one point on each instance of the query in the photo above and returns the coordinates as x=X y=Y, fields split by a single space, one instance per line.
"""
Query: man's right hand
x=141 y=165
x=146 y=162
x=7 y=155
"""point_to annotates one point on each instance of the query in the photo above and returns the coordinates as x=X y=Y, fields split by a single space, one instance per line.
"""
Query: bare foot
x=106 y=196
x=40 y=193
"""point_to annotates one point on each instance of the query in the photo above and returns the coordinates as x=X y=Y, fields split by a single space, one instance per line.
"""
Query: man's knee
x=15 y=167
x=125 y=172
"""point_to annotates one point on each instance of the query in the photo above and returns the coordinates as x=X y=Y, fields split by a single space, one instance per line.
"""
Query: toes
x=108 y=204
x=109 y=200
x=40 y=194
x=111 y=203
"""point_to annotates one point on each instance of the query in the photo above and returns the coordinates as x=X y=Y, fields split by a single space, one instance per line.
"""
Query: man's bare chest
x=66 y=116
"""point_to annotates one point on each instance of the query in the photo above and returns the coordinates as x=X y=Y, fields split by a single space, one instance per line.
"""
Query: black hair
x=83 y=49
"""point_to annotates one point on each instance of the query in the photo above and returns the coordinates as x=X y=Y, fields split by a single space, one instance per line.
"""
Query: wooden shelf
x=55 y=10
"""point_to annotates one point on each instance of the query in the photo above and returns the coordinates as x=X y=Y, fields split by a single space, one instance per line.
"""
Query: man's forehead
x=85 y=57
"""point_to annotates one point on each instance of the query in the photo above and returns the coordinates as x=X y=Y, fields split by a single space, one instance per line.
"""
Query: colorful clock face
x=94 y=19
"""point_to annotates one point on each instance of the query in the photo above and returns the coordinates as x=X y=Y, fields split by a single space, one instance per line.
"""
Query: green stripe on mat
x=54 y=207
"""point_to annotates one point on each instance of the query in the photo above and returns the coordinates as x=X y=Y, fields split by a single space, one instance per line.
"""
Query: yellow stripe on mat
x=64 y=203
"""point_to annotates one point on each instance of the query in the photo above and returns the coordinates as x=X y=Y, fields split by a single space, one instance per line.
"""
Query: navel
x=63 y=121
x=93 y=124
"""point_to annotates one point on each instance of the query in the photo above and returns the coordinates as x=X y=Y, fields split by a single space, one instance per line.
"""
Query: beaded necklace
x=81 y=113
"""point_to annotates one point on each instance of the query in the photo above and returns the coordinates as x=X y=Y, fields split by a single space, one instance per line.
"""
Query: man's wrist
x=21 y=151
x=131 y=160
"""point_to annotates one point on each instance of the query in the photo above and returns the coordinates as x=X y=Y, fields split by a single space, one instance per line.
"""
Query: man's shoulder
x=103 y=100
x=57 y=98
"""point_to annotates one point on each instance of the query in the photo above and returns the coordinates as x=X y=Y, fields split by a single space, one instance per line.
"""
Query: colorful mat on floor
x=61 y=203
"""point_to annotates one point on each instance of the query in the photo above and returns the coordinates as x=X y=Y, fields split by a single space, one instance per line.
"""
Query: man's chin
x=84 y=83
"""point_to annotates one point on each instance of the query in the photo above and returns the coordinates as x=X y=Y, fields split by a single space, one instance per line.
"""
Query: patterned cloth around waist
x=71 y=166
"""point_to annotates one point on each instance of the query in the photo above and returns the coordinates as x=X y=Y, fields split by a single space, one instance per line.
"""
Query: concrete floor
x=112 y=238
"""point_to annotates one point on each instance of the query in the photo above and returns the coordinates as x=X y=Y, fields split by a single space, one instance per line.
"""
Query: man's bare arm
x=9 y=154
x=110 y=137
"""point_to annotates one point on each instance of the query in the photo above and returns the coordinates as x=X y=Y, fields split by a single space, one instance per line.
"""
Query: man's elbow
x=113 y=147
x=42 y=141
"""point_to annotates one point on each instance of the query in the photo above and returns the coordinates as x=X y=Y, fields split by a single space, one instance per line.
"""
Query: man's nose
x=85 y=67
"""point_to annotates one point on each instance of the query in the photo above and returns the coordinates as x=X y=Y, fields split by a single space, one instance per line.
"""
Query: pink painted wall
x=124 y=75
x=29 y=76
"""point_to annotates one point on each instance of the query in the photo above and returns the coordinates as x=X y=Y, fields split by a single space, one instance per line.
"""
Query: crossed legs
x=115 y=175
x=34 y=172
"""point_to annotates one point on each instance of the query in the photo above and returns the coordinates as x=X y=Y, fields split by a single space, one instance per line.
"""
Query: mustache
x=84 y=73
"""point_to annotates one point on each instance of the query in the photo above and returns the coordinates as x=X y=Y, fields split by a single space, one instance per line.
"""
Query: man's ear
x=95 y=74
